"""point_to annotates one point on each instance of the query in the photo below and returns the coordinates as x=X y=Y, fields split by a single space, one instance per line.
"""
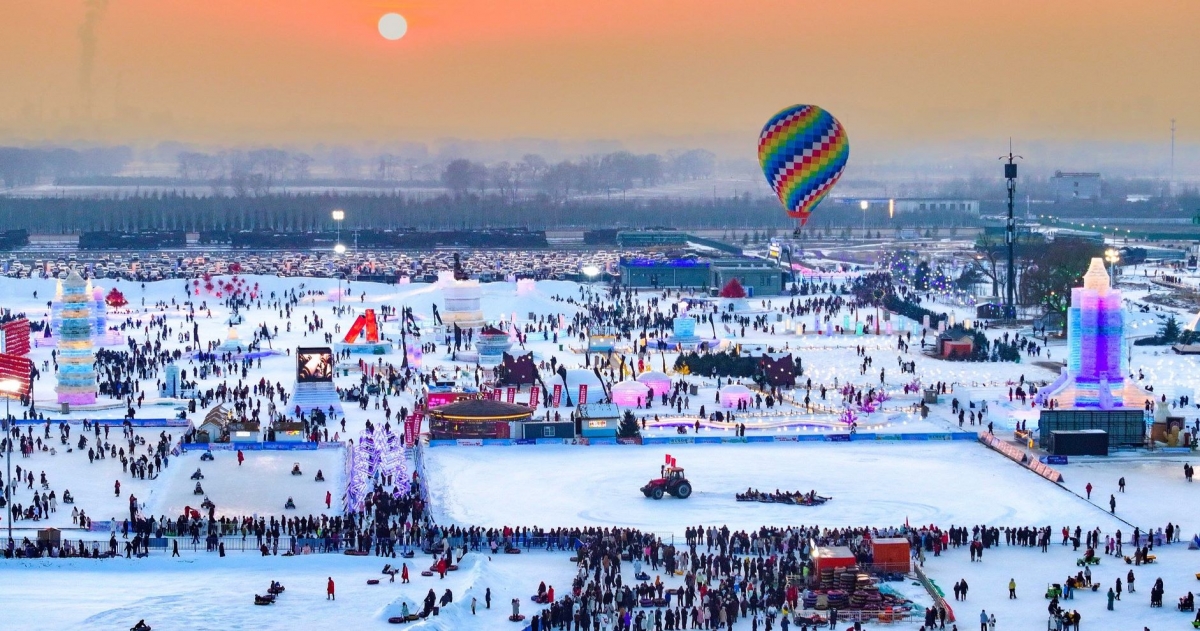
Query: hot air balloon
x=803 y=151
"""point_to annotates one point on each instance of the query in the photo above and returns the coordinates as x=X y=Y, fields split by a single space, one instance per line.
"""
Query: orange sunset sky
x=313 y=71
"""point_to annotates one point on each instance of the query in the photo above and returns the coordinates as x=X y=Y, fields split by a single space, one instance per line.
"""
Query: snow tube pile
x=791 y=499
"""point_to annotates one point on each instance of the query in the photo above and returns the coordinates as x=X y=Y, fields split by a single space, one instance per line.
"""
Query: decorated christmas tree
x=115 y=299
x=733 y=289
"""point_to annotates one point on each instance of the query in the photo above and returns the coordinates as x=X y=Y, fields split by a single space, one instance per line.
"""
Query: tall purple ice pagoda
x=1097 y=369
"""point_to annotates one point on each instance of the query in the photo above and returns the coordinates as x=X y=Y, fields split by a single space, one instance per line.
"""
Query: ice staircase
x=315 y=396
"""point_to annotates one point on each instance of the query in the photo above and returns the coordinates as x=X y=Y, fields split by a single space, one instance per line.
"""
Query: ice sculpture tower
x=76 y=372
x=1096 y=361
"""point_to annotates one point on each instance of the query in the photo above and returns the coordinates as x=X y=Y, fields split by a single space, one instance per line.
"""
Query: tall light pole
x=1112 y=256
x=1010 y=237
x=338 y=216
x=9 y=387
x=864 y=204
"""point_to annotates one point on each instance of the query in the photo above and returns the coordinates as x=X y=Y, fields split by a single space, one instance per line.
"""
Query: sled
x=355 y=553
x=452 y=568
x=264 y=600
x=517 y=618
x=513 y=551
x=426 y=573
x=642 y=576
x=1083 y=561
x=275 y=591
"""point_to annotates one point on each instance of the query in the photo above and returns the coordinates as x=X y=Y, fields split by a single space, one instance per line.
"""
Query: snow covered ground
x=205 y=592
x=875 y=483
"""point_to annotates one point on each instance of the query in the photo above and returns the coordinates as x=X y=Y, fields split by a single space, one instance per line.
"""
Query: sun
x=393 y=26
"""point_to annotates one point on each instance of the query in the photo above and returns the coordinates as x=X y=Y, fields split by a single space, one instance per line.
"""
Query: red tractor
x=672 y=482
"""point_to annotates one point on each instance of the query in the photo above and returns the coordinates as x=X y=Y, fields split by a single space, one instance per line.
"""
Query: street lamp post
x=9 y=387
x=338 y=248
x=1112 y=256
x=864 y=204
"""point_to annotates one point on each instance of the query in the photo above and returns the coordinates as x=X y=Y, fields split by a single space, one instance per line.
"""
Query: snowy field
x=1155 y=489
x=207 y=593
x=261 y=485
x=959 y=483
x=878 y=484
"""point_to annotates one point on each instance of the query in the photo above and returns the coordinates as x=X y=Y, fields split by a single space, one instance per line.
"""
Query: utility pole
x=1010 y=236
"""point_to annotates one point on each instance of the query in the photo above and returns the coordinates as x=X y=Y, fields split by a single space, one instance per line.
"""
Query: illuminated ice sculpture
x=76 y=357
x=630 y=393
x=658 y=382
x=1096 y=360
x=735 y=393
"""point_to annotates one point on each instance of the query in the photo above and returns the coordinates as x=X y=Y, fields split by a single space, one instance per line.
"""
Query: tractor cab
x=672 y=473
x=671 y=482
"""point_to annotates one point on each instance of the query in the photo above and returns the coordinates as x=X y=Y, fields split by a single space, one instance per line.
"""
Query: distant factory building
x=1070 y=186
x=963 y=206
x=664 y=272
x=758 y=277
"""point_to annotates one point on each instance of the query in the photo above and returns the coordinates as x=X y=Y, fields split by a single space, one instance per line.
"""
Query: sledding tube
x=372 y=581
x=683 y=491
x=397 y=620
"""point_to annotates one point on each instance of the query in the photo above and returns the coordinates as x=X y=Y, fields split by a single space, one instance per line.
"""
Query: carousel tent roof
x=482 y=410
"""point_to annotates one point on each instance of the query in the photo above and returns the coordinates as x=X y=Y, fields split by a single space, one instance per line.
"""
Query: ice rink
x=871 y=484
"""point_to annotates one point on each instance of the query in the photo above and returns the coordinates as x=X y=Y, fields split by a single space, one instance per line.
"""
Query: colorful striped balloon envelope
x=803 y=151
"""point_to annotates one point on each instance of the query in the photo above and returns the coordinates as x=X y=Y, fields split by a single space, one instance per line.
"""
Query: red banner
x=534 y=394
x=557 y=396
x=412 y=427
x=582 y=394
x=15 y=337
x=512 y=395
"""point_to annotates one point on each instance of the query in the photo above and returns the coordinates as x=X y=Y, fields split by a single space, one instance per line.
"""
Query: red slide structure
x=365 y=323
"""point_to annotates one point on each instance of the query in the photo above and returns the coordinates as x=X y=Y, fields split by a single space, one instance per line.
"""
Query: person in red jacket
x=328 y=499
x=241 y=457
x=403 y=573
x=329 y=595
x=441 y=568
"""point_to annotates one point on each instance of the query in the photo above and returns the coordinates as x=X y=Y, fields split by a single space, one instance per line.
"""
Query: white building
x=1069 y=186
x=943 y=204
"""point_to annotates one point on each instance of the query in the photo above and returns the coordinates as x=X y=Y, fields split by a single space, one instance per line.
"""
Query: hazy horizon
x=924 y=87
